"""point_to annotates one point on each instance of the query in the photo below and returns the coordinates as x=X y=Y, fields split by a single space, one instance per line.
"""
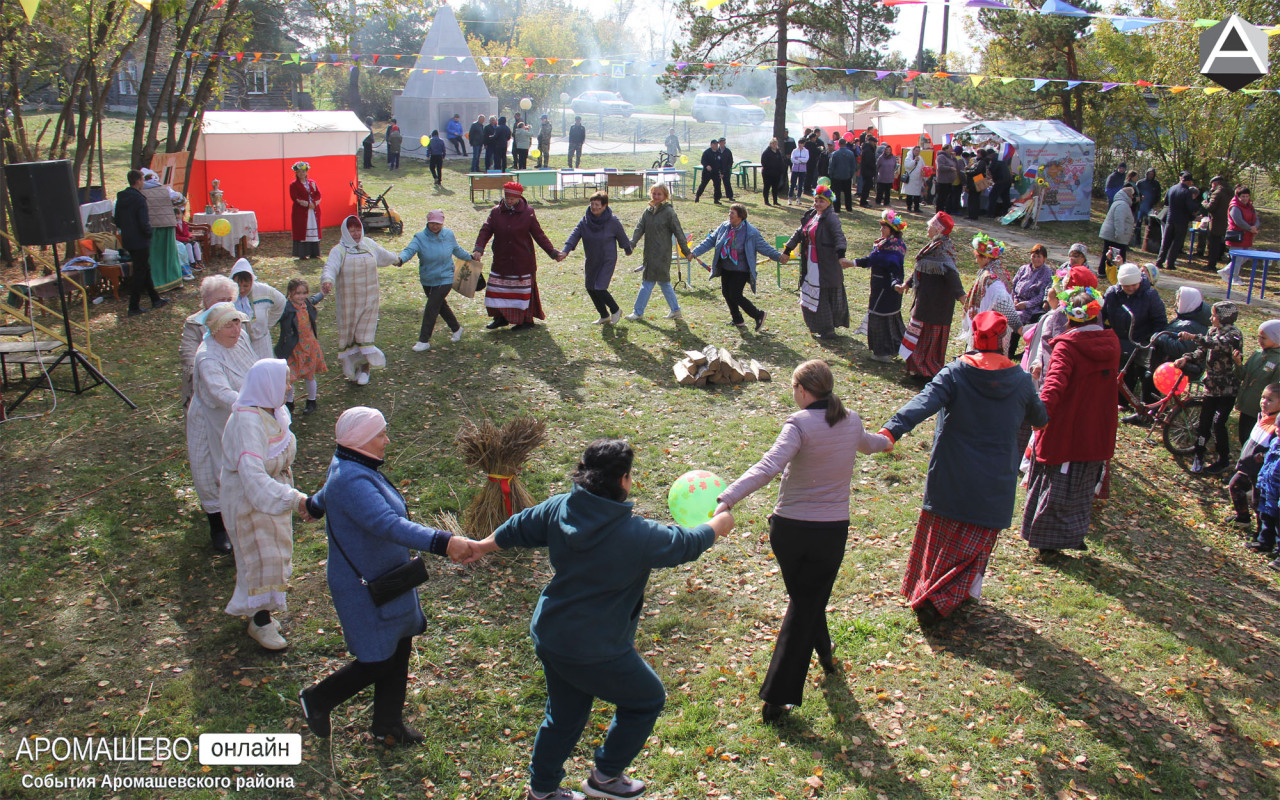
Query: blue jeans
x=475 y=158
x=646 y=289
x=626 y=682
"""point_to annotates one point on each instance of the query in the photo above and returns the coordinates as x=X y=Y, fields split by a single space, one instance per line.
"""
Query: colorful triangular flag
x=1062 y=9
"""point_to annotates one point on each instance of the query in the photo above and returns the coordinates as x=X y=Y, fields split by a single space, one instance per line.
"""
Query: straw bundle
x=499 y=453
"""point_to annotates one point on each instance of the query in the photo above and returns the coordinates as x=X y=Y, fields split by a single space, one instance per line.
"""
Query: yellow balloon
x=535 y=153
x=220 y=227
x=425 y=140
x=684 y=159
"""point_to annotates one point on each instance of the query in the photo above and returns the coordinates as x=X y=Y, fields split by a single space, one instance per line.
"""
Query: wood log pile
x=717 y=365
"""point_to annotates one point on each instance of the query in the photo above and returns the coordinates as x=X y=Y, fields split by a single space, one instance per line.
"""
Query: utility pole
x=915 y=87
x=946 y=18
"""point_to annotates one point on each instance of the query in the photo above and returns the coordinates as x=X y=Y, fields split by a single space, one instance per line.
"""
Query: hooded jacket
x=435 y=267
x=973 y=470
x=843 y=164
x=1079 y=394
x=1147 y=309
x=657 y=227
x=602 y=555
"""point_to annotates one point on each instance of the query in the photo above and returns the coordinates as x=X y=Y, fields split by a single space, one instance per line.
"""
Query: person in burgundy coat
x=304 y=219
x=511 y=296
x=1072 y=451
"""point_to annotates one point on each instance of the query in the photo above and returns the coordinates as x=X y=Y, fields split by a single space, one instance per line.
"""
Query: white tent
x=1066 y=155
x=252 y=154
x=900 y=118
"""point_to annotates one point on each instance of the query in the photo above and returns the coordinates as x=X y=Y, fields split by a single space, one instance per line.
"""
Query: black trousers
x=942 y=196
x=732 y=284
x=489 y=155
x=868 y=182
x=1106 y=245
x=437 y=168
x=140 y=278
x=708 y=177
x=913 y=202
x=521 y=158
x=775 y=185
x=726 y=180
x=1214 y=413
x=500 y=160
x=883 y=190
x=973 y=203
x=459 y=146
x=842 y=187
x=368 y=156
x=1217 y=245
x=999 y=202
x=1175 y=237
x=809 y=556
x=437 y=306
x=603 y=301
x=388 y=678
x=575 y=149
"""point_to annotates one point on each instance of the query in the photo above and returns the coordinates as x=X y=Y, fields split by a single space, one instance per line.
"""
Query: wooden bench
x=486 y=184
x=625 y=182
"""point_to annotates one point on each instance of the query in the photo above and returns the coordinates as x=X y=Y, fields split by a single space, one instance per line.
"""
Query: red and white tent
x=252 y=154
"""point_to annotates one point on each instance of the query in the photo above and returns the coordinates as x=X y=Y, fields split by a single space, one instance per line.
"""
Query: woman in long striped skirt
x=937 y=286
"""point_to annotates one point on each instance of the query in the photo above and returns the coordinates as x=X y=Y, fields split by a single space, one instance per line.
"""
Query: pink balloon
x=1167 y=376
x=848 y=136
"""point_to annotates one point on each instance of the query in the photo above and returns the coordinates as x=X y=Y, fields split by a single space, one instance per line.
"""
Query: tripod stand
x=70 y=355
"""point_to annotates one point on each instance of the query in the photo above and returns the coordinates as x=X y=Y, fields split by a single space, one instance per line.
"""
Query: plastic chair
x=780 y=242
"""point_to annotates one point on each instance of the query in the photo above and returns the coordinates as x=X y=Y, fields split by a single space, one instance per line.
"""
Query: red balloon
x=848 y=136
x=1167 y=377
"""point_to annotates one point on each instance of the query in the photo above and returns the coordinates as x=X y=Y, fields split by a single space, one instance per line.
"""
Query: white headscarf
x=349 y=244
x=244 y=304
x=1271 y=330
x=220 y=315
x=1189 y=299
x=358 y=425
x=265 y=387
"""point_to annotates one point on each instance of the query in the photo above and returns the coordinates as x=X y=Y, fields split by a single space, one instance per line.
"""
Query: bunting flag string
x=636 y=69
x=1124 y=23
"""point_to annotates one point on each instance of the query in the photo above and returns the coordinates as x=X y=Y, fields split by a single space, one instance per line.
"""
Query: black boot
x=218 y=534
x=289 y=405
x=310 y=409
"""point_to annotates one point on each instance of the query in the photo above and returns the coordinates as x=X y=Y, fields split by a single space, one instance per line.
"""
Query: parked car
x=610 y=104
x=708 y=107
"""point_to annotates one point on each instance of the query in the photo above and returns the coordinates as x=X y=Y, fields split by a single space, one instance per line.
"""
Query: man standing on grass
x=577 y=138
x=710 y=171
x=475 y=137
x=1183 y=204
x=134 y=222
x=726 y=168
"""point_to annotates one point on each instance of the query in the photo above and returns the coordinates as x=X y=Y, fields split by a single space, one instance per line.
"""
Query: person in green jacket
x=657 y=226
x=584 y=625
x=1260 y=370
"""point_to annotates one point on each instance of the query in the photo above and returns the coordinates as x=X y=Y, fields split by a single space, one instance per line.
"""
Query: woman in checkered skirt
x=936 y=283
x=981 y=399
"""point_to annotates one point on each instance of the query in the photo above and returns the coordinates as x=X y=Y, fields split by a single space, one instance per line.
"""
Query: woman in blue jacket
x=600 y=233
x=584 y=626
x=735 y=244
x=435 y=248
x=369 y=535
x=884 y=309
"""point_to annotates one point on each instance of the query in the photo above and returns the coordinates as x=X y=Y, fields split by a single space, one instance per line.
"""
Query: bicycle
x=1177 y=413
x=663 y=161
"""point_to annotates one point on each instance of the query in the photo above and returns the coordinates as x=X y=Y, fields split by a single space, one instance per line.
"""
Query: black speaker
x=46 y=209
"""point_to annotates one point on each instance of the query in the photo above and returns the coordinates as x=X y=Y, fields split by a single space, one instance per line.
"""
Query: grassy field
x=1144 y=667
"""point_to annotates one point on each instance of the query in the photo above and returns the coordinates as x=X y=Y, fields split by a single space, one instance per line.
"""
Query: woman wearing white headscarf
x=260 y=303
x=352 y=269
x=258 y=498
x=213 y=289
x=222 y=361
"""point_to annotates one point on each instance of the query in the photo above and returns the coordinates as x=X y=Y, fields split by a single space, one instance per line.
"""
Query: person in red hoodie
x=511 y=296
x=1072 y=451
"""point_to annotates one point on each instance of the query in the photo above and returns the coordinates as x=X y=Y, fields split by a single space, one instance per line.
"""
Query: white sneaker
x=633 y=316
x=420 y=346
x=615 y=316
x=457 y=336
x=362 y=378
x=267 y=635
x=601 y=321
x=674 y=315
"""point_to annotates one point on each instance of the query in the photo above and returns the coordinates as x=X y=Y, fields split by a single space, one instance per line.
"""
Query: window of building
x=127 y=78
x=258 y=80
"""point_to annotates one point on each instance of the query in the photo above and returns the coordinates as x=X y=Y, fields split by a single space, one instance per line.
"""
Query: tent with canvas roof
x=1065 y=154
x=252 y=153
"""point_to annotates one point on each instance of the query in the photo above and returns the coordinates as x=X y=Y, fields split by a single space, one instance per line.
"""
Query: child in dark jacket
x=1252 y=454
x=298 y=343
x=1218 y=352
x=1268 y=497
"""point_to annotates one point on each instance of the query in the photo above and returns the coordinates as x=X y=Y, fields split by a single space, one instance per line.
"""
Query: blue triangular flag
x=1062 y=9
x=1038 y=83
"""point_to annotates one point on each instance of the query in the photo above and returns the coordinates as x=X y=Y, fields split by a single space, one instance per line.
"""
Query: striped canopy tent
x=251 y=154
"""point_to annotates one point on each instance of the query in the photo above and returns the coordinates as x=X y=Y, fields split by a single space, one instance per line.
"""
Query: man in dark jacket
x=710 y=171
x=868 y=169
x=490 y=151
x=134 y=222
x=368 y=144
x=726 y=168
x=1183 y=206
x=978 y=169
x=1115 y=181
x=501 y=136
x=475 y=137
x=1002 y=181
x=1134 y=310
x=1149 y=193
x=841 y=168
x=816 y=149
x=1219 y=202
x=788 y=146
x=577 y=137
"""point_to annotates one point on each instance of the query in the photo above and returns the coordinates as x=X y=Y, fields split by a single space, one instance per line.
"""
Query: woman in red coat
x=305 y=218
x=1072 y=451
x=511 y=296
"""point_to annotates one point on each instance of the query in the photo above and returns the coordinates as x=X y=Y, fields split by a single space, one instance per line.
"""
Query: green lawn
x=1145 y=667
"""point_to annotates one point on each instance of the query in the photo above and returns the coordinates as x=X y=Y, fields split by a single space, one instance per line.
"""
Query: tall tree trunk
x=780 y=77
x=144 y=87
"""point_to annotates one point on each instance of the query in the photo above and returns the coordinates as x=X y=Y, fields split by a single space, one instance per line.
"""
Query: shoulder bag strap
x=334 y=536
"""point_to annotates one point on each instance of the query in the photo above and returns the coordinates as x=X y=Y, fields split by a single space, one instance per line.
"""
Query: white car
x=709 y=107
x=609 y=104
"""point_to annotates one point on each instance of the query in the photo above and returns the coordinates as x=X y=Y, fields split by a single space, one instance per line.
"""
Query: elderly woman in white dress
x=258 y=498
x=222 y=362
x=213 y=289
x=261 y=303
x=352 y=270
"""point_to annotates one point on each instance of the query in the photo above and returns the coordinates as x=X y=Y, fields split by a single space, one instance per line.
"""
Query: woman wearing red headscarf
x=936 y=282
x=511 y=296
x=981 y=399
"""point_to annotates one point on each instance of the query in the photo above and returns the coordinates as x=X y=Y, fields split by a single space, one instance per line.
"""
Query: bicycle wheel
x=1181 y=429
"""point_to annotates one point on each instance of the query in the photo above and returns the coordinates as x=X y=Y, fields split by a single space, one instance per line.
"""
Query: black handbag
x=1234 y=236
x=391 y=584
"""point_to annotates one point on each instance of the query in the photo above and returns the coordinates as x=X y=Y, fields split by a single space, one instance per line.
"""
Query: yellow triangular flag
x=1270 y=31
x=1176 y=89
x=144 y=3
x=1213 y=89
x=977 y=80
x=29 y=8
x=575 y=62
x=710 y=4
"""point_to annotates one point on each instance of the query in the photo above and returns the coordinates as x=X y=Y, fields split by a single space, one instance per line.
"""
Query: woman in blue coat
x=600 y=233
x=735 y=244
x=436 y=247
x=369 y=535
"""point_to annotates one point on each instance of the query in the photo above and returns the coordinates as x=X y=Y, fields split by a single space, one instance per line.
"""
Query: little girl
x=1218 y=353
x=298 y=343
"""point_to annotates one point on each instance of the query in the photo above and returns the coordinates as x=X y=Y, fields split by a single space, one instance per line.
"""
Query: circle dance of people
x=1051 y=417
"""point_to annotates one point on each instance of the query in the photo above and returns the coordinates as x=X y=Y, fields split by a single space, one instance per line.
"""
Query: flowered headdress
x=1081 y=305
x=984 y=245
x=893 y=220
x=301 y=165
x=825 y=193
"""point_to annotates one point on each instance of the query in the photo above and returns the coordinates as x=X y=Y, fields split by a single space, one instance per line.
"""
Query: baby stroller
x=374 y=212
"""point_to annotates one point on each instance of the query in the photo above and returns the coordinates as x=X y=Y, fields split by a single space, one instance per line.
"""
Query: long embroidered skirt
x=513 y=298
x=832 y=311
x=1060 y=504
x=924 y=348
x=947 y=563
x=884 y=333
x=307 y=359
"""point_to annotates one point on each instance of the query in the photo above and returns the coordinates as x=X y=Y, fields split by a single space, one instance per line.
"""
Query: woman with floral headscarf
x=822 y=244
x=936 y=283
x=304 y=216
x=884 y=309
x=352 y=271
x=992 y=290
x=1072 y=450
